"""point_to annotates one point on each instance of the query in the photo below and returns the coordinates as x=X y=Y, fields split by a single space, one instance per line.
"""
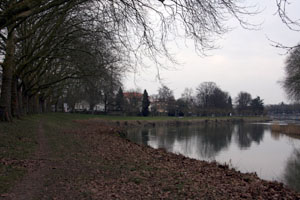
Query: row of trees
x=63 y=51
x=283 y=109
x=60 y=49
x=208 y=100
x=54 y=49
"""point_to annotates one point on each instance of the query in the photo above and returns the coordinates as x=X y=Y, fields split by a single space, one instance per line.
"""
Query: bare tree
x=292 y=68
x=133 y=101
x=243 y=101
x=187 y=101
x=204 y=91
x=10 y=12
x=166 y=100
x=282 y=10
x=291 y=81
x=283 y=7
x=187 y=95
x=211 y=99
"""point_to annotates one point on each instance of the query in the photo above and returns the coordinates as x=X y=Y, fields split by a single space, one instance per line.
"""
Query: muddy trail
x=92 y=161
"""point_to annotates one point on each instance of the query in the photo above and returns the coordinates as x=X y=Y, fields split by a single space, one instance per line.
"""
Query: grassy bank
x=126 y=121
x=167 y=118
x=86 y=159
x=19 y=143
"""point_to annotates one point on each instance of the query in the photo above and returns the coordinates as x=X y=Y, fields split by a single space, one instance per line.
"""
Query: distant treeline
x=281 y=109
x=207 y=100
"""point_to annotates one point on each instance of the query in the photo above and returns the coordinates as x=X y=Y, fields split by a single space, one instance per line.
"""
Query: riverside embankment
x=87 y=159
x=126 y=122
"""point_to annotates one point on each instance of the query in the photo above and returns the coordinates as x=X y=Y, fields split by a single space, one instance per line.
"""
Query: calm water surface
x=246 y=147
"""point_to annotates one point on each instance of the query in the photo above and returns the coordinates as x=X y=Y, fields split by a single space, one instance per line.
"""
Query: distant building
x=82 y=106
x=99 y=107
x=85 y=106
x=133 y=102
x=157 y=107
x=129 y=95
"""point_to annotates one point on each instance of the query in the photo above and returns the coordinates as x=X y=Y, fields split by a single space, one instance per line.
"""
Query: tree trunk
x=8 y=64
x=30 y=105
x=105 y=104
x=62 y=106
x=45 y=106
x=20 y=98
x=56 y=106
x=14 y=98
x=25 y=103
x=36 y=104
x=92 y=105
x=26 y=100
x=42 y=105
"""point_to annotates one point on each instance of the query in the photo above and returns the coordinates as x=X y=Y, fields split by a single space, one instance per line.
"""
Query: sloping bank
x=132 y=171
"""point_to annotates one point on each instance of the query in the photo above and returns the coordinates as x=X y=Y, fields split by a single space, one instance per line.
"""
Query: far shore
x=125 y=121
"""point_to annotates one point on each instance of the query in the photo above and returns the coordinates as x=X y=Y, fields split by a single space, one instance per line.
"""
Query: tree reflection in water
x=251 y=147
x=248 y=133
x=212 y=139
x=199 y=141
x=291 y=176
x=204 y=141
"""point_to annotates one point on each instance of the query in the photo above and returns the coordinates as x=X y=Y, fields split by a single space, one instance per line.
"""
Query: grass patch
x=18 y=142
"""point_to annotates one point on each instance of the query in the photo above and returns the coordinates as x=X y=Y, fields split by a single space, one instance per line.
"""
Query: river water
x=245 y=147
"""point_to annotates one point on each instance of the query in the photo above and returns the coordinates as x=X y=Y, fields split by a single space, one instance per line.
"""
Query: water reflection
x=291 y=175
x=275 y=135
x=211 y=139
x=249 y=147
x=248 y=133
x=201 y=141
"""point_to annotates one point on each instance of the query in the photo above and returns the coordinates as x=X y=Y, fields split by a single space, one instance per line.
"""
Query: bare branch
x=282 y=11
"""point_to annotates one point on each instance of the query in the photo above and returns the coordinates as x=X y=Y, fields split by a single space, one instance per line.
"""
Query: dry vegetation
x=290 y=129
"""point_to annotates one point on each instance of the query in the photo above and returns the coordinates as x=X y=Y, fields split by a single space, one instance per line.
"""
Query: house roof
x=132 y=94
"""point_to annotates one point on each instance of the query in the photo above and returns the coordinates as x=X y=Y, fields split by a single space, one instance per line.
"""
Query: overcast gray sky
x=245 y=61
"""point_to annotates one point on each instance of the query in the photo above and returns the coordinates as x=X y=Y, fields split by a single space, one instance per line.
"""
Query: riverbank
x=88 y=159
x=174 y=121
x=288 y=129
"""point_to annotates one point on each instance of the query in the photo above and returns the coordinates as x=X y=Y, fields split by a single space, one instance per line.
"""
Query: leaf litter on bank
x=92 y=161
x=129 y=170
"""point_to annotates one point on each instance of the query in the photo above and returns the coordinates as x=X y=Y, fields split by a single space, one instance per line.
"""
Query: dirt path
x=30 y=186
